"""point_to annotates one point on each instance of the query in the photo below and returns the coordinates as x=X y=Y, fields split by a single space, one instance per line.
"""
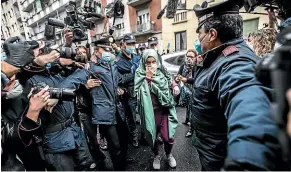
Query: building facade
x=180 y=33
x=11 y=19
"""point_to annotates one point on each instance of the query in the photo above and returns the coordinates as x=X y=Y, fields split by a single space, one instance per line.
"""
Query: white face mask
x=153 y=68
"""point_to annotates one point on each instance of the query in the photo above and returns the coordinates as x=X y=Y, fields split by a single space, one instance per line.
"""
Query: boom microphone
x=161 y=13
x=56 y=23
x=172 y=8
x=89 y=14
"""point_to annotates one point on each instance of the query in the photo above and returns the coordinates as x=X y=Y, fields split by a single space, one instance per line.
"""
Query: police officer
x=154 y=44
x=231 y=111
x=107 y=110
x=127 y=63
x=141 y=48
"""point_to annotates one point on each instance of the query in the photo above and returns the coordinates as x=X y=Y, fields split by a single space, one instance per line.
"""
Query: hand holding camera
x=68 y=36
x=44 y=59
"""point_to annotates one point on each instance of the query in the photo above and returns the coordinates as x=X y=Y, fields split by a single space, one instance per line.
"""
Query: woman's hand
x=176 y=91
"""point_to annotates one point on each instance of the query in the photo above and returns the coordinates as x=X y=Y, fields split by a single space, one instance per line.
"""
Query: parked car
x=173 y=61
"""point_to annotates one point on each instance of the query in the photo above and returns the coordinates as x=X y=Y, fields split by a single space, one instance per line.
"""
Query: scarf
x=160 y=88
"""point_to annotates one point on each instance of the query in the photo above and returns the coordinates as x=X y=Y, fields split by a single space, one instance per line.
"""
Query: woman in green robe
x=156 y=105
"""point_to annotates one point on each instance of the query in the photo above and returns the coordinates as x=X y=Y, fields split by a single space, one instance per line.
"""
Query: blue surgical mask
x=106 y=57
x=197 y=46
x=130 y=50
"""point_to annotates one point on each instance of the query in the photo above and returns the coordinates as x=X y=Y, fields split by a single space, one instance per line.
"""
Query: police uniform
x=154 y=40
x=107 y=110
x=231 y=111
x=127 y=65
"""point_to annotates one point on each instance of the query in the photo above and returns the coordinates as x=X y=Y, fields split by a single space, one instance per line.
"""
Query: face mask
x=197 y=46
x=106 y=57
x=156 y=49
x=130 y=50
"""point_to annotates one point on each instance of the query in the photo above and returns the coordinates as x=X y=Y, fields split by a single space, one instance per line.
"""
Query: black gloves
x=19 y=52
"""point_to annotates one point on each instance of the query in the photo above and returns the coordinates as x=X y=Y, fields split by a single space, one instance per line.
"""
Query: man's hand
x=66 y=62
x=68 y=36
x=120 y=91
x=19 y=53
x=51 y=104
x=176 y=91
x=44 y=59
x=92 y=83
x=37 y=102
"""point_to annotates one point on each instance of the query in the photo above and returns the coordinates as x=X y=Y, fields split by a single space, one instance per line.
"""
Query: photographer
x=18 y=129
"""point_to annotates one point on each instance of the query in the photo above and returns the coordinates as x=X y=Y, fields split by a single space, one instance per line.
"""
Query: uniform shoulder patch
x=229 y=50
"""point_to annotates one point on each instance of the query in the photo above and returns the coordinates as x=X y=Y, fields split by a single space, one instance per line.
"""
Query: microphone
x=172 y=8
x=161 y=13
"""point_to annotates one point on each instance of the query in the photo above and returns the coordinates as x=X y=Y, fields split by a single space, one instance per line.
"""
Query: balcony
x=145 y=28
x=18 y=16
x=27 y=5
x=135 y=3
x=21 y=29
x=14 y=2
x=119 y=33
x=180 y=17
x=50 y=10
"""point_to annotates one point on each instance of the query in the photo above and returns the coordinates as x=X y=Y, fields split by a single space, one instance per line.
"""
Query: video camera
x=283 y=6
x=56 y=93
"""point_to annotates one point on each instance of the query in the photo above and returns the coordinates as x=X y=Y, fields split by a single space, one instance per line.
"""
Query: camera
x=56 y=93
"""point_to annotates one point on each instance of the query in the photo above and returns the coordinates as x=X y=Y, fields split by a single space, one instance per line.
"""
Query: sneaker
x=171 y=160
x=188 y=134
x=157 y=162
x=103 y=144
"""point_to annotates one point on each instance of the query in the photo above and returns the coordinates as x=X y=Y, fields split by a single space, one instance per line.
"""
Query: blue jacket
x=232 y=114
x=105 y=103
x=68 y=138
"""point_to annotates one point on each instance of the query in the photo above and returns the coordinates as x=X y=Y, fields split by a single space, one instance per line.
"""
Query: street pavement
x=183 y=151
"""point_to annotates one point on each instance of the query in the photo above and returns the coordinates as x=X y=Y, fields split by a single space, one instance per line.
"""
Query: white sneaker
x=171 y=160
x=157 y=162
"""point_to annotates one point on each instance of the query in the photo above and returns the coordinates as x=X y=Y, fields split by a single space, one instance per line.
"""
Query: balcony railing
x=119 y=33
x=180 y=17
x=135 y=3
x=28 y=5
x=49 y=10
x=143 y=27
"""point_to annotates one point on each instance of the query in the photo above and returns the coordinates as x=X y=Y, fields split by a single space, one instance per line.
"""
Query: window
x=120 y=26
x=250 y=26
x=182 y=4
x=143 y=16
x=176 y=60
x=9 y=13
x=181 y=41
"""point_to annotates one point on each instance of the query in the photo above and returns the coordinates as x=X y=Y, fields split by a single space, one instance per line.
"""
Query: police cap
x=143 y=45
x=104 y=42
x=153 y=40
x=129 y=38
x=205 y=13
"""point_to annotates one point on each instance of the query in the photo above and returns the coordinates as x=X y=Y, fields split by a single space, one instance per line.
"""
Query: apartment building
x=12 y=22
x=143 y=20
x=180 y=33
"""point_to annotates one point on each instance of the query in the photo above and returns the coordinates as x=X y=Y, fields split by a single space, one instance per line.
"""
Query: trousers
x=79 y=158
x=161 y=121
x=91 y=132
x=130 y=105
x=117 y=139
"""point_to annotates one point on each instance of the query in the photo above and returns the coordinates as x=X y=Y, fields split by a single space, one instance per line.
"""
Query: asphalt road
x=183 y=151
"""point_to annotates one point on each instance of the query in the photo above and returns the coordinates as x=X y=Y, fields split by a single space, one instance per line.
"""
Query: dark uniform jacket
x=105 y=103
x=69 y=137
x=231 y=111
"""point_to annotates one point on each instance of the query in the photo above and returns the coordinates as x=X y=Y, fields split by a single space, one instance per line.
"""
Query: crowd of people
x=229 y=112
